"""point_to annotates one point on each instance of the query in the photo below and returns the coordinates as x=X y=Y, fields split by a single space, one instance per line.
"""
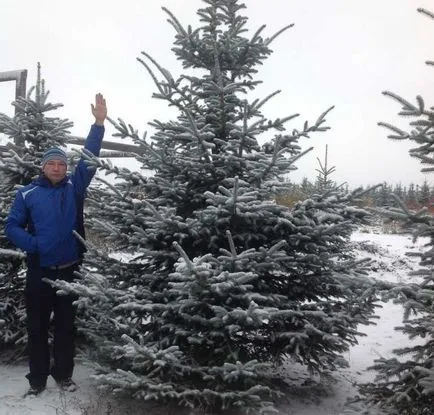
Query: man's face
x=54 y=170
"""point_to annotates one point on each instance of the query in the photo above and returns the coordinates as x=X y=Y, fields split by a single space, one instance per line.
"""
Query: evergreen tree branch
x=233 y=251
x=279 y=32
x=426 y=12
x=185 y=257
x=402 y=135
x=8 y=253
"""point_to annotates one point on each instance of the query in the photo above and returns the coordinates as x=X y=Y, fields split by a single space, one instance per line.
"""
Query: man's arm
x=82 y=175
x=15 y=224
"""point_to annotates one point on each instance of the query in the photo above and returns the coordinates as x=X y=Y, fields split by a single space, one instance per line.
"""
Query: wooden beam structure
x=110 y=145
x=20 y=77
x=103 y=154
x=109 y=149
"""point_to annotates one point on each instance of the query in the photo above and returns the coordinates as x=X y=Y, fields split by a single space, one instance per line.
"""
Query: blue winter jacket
x=43 y=216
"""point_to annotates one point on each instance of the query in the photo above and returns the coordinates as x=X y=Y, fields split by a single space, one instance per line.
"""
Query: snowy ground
x=337 y=397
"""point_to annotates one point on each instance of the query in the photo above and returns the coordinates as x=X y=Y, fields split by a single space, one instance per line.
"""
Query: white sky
x=340 y=52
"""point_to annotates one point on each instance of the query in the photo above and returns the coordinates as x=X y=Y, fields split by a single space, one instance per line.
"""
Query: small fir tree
x=323 y=181
x=411 y=195
x=306 y=187
x=399 y=191
x=384 y=196
x=424 y=196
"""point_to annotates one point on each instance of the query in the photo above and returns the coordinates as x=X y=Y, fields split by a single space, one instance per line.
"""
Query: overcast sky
x=340 y=52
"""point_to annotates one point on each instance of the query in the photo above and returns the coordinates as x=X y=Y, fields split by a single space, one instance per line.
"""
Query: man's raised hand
x=99 y=110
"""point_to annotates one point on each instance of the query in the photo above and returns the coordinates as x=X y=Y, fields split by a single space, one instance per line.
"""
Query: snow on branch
x=11 y=253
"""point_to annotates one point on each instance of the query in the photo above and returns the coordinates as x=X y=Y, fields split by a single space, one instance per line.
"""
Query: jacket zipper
x=62 y=201
x=59 y=226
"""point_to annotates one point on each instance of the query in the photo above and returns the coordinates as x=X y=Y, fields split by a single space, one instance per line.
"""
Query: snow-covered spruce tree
x=406 y=382
x=18 y=166
x=222 y=283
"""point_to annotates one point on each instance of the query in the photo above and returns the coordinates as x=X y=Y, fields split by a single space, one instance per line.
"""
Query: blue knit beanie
x=54 y=153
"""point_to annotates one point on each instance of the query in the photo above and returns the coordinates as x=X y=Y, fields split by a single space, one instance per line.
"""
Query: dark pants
x=41 y=301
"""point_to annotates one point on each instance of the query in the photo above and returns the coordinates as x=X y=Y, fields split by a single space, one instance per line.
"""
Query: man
x=41 y=222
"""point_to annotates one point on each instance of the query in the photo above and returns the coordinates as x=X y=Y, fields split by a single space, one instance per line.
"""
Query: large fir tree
x=221 y=283
x=406 y=381
x=18 y=166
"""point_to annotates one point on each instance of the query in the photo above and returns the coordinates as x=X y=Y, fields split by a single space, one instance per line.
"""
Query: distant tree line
x=414 y=196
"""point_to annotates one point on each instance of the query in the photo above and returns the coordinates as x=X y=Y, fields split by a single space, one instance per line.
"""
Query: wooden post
x=20 y=78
